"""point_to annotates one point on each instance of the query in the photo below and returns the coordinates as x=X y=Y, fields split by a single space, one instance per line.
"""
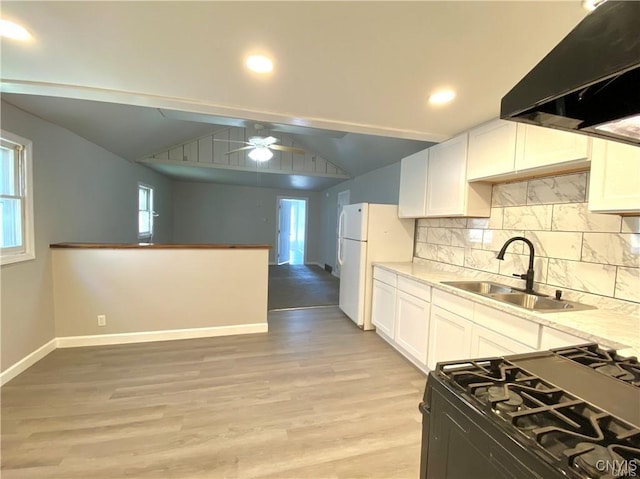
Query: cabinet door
x=383 y=307
x=449 y=337
x=447 y=177
x=413 y=185
x=614 y=184
x=486 y=343
x=412 y=325
x=492 y=149
x=538 y=147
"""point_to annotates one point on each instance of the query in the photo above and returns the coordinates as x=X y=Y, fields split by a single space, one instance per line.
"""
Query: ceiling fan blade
x=251 y=147
x=231 y=141
x=291 y=149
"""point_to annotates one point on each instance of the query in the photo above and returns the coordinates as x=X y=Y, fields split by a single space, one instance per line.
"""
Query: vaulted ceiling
x=361 y=68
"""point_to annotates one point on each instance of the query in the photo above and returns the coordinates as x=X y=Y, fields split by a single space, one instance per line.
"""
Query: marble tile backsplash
x=594 y=258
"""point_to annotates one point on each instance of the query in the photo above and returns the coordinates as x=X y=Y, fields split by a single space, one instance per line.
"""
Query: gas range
x=566 y=413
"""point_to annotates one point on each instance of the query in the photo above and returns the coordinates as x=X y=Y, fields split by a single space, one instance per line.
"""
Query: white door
x=449 y=337
x=353 y=260
x=383 y=307
x=284 y=231
x=412 y=325
x=343 y=199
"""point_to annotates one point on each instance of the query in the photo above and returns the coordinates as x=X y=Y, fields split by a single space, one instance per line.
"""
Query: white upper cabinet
x=539 y=147
x=503 y=150
x=412 y=202
x=614 y=182
x=492 y=149
x=433 y=183
x=446 y=180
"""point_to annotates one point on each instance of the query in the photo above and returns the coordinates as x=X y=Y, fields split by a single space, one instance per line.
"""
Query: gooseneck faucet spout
x=528 y=276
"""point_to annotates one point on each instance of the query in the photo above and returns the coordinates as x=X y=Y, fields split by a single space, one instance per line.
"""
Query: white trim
x=28 y=361
x=165 y=335
x=29 y=252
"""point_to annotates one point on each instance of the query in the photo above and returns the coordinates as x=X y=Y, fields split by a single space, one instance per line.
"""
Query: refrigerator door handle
x=340 y=228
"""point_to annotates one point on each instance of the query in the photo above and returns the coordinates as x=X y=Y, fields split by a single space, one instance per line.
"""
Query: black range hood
x=590 y=82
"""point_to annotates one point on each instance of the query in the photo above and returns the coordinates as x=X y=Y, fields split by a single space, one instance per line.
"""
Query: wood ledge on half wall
x=155 y=246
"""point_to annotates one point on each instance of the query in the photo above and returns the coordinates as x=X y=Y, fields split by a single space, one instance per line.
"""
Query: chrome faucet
x=528 y=276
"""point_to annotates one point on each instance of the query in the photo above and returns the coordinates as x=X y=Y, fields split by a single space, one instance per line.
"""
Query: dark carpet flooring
x=301 y=286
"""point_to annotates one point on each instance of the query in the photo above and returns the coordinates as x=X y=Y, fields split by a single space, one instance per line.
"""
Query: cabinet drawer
x=385 y=276
x=552 y=338
x=522 y=330
x=486 y=343
x=455 y=304
x=414 y=288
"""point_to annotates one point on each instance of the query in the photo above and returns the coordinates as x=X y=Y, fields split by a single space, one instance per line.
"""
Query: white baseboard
x=27 y=362
x=166 y=335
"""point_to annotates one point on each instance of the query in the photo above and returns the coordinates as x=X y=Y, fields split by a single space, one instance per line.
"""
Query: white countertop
x=607 y=328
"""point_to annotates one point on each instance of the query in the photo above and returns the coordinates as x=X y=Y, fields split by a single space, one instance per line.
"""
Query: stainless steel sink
x=507 y=294
x=480 y=287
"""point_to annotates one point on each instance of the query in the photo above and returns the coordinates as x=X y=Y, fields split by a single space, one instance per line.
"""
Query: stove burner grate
x=574 y=433
x=604 y=361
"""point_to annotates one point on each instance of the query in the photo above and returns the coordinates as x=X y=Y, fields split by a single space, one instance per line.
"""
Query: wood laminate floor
x=314 y=398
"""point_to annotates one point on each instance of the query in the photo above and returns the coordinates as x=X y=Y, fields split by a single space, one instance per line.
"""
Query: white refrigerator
x=368 y=233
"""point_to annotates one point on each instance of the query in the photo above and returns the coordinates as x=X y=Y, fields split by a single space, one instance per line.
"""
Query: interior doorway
x=292 y=230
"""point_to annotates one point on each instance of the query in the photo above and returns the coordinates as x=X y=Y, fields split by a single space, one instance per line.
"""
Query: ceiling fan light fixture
x=261 y=154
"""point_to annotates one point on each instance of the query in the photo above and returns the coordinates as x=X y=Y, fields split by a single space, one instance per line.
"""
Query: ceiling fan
x=261 y=147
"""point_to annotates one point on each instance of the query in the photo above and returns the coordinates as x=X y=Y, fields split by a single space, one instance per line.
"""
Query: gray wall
x=81 y=193
x=378 y=186
x=216 y=213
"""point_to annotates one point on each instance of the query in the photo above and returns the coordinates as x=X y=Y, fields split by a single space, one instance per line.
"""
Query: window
x=16 y=200
x=145 y=211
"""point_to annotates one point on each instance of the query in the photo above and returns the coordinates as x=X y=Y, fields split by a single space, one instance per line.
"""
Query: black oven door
x=461 y=448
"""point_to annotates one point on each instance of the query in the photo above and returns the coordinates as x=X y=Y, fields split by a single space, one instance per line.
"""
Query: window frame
x=26 y=251
x=146 y=235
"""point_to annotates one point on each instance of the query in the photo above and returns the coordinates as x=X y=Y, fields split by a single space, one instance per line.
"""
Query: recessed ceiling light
x=259 y=64
x=13 y=30
x=591 y=5
x=441 y=97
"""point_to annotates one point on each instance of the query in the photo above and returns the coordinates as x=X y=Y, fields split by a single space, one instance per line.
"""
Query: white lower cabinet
x=449 y=337
x=412 y=325
x=428 y=325
x=486 y=343
x=552 y=338
x=383 y=307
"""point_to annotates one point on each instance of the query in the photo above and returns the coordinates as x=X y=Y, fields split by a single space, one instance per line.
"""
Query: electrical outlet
x=102 y=320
